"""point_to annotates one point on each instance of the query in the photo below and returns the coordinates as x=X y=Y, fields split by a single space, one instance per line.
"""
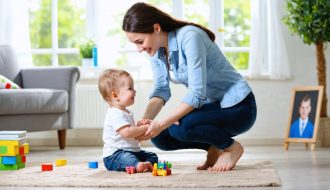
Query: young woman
x=219 y=103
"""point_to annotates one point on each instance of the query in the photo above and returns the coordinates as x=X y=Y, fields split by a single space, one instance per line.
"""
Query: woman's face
x=147 y=42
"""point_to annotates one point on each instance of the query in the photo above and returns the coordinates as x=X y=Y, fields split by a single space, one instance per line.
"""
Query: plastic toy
x=93 y=165
x=13 y=148
x=47 y=167
x=162 y=169
x=130 y=169
x=61 y=162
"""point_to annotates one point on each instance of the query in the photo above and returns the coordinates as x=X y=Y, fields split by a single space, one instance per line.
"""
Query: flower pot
x=323 y=134
x=87 y=62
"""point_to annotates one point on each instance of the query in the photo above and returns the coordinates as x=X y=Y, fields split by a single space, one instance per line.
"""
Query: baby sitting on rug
x=121 y=149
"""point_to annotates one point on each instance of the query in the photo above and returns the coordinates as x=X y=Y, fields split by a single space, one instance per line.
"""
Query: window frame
x=216 y=22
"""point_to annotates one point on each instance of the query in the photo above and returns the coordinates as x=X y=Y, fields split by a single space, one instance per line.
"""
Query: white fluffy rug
x=184 y=175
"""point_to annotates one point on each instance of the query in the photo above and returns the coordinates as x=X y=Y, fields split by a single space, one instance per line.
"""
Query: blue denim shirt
x=198 y=63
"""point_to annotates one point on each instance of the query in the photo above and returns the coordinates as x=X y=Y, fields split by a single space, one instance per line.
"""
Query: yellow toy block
x=61 y=162
x=8 y=150
x=26 y=148
x=18 y=142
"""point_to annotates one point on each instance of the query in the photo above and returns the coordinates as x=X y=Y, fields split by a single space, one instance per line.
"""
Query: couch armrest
x=63 y=78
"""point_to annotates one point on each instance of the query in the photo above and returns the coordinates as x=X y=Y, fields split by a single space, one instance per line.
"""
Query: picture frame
x=304 y=116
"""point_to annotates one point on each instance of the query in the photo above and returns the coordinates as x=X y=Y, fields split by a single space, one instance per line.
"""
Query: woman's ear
x=157 y=28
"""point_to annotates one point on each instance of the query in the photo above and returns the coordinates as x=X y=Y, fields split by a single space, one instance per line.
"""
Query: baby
x=121 y=149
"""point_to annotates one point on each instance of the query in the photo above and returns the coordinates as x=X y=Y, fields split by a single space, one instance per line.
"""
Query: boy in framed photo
x=302 y=127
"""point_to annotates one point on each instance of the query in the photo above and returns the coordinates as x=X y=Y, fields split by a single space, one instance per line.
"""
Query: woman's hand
x=154 y=129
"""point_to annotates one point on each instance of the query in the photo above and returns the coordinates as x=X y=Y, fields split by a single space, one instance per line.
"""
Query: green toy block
x=9 y=167
x=21 y=165
x=12 y=166
x=3 y=149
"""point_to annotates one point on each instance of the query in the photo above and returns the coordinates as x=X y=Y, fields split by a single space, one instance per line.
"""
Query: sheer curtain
x=14 y=24
x=268 y=55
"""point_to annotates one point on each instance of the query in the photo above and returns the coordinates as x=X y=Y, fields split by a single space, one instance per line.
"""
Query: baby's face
x=305 y=109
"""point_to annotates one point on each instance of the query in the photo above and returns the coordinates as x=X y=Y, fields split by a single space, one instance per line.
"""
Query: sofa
x=45 y=101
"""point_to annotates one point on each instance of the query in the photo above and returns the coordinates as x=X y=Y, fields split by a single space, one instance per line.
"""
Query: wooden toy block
x=130 y=169
x=26 y=148
x=17 y=142
x=61 y=162
x=8 y=150
x=9 y=160
x=93 y=165
x=47 y=167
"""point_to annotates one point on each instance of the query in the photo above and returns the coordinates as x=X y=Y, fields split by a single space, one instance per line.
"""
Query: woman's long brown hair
x=141 y=17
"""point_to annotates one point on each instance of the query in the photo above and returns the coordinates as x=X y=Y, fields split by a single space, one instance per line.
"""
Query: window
x=57 y=27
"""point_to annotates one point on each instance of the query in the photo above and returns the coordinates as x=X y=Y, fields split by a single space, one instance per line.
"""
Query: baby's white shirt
x=114 y=120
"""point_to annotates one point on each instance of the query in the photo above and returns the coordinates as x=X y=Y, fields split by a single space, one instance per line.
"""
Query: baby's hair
x=108 y=82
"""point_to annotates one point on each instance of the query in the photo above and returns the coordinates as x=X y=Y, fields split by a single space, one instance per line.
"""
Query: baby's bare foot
x=228 y=158
x=144 y=167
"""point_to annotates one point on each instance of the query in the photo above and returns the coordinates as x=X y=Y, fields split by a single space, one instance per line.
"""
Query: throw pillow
x=5 y=83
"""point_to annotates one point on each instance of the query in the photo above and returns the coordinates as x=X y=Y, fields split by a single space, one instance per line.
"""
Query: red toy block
x=21 y=150
x=23 y=158
x=47 y=167
x=130 y=169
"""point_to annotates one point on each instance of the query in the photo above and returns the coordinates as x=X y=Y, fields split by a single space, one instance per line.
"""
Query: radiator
x=90 y=107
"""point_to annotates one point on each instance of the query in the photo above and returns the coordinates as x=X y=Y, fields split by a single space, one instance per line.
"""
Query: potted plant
x=310 y=20
x=86 y=52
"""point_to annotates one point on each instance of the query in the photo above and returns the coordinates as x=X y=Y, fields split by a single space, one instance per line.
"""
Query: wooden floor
x=298 y=167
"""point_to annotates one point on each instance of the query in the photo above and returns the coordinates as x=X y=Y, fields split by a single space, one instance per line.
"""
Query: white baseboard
x=93 y=137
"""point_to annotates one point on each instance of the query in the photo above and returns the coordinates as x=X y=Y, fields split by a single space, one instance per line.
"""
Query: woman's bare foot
x=212 y=156
x=228 y=158
x=144 y=167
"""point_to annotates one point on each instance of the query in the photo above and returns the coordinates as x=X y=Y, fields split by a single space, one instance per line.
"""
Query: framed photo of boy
x=304 y=115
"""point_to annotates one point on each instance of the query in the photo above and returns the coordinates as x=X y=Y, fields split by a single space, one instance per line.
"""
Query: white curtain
x=14 y=28
x=268 y=55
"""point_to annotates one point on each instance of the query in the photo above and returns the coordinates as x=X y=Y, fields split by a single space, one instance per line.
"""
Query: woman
x=219 y=103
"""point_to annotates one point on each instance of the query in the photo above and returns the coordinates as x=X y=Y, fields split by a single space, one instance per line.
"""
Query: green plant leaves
x=86 y=49
x=309 y=19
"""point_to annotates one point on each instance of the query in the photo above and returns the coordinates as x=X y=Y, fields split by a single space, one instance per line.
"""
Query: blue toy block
x=93 y=165
x=9 y=160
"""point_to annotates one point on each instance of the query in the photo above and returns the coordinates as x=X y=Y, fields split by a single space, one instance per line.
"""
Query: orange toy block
x=47 y=167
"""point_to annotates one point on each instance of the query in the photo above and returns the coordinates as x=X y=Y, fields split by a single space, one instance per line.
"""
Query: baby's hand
x=143 y=122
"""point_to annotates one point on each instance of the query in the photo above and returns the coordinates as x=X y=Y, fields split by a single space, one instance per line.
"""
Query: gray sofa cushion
x=33 y=101
x=9 y=66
